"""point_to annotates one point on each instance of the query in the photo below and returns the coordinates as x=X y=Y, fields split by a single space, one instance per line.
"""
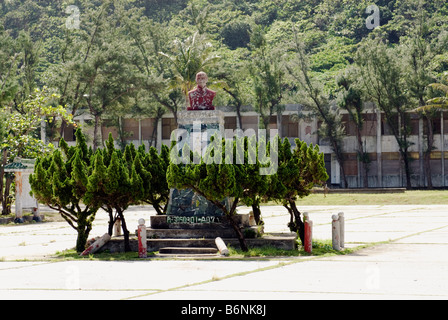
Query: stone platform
x=285 y=241
x=166 y=236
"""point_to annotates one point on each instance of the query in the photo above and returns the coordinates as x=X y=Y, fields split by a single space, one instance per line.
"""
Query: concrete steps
x=188 y=251
x=193 y=233
x=286 y=241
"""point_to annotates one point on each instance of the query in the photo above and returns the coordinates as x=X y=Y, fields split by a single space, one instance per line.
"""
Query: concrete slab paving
x=384 y=272
x=412 y=265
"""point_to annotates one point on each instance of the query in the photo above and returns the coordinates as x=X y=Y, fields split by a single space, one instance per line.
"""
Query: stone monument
x=193 y=224
x=192 y=220
x=198 y=124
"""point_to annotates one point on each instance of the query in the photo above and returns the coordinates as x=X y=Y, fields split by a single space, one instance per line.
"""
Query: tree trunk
x=158 y=208
x=239 y=118
x=96 y=133
x=2 y=172
x=230 y=215
x=404 y=148
x=6 y=201
x=257 y=213
x=238 y=232
x=154 y=133
x=127 y=246
x=112 y=220
x=407 y=169
x=81 y=241
x=296 y=224
x=363 y=160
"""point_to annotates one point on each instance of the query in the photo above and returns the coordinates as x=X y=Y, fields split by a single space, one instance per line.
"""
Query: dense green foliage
x=60 y=181
x=238 y=175
x=77 y=182
x=299 y=171
x=330 y=30
x=19 y=134
x=114 y=58
x=138 y=57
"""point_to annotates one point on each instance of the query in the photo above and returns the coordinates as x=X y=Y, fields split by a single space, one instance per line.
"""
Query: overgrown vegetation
x=78 y=182
x=116 y=58
x=237 y=175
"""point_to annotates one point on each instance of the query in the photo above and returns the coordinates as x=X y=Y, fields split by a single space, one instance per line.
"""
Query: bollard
x=341 y=229
x=117 y=228
x=306 y=216
x=335 y=232
x=221 y=246
x=308 y=245
x=96 y=245
x=142 y=242
x=308 y=236
x=36 y=216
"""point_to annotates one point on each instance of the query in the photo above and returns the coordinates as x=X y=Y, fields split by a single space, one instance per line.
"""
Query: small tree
x=441 y=101
x=60 y=182
x=381 y=80
x=114 y=184
x=152 y=167
x=298 y=172
x=254 y=184
x=193 y=55
x=316 y=99
x=267 y=75
x=18 y=134
x=350 y=99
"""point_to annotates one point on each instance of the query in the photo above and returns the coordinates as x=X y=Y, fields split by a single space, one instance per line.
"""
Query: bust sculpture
x=201 y=98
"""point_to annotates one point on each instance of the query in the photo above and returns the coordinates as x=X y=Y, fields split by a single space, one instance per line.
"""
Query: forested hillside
x=116 y=57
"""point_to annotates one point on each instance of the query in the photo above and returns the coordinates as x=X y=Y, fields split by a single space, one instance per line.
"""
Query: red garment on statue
x=201 y=99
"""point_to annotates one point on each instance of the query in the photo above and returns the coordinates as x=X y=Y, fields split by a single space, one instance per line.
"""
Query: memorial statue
x=201 y=98
x=186 y=203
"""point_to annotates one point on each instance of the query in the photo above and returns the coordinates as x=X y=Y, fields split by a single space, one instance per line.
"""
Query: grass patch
x=71 y=254
x=320 y=248
x=411 y=197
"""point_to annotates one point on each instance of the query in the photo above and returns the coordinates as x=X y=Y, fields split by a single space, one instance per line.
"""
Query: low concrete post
x=341 y=229
x=117 y=228
x=335 y=232
x=308 y=245
x=221 y=246
x=96 y=245
x=36 y=215
x=142 y=241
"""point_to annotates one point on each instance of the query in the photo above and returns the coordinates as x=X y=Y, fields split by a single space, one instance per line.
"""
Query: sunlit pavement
x=408 y=261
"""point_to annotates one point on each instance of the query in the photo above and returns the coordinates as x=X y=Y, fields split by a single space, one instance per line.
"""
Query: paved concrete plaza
x=412 y=264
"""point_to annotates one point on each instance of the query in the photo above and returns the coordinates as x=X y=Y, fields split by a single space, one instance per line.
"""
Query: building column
x=379 y=159
x=335 y=170
x=442 y=148
x=159 y=135
x=140 y=131
x=421 y=178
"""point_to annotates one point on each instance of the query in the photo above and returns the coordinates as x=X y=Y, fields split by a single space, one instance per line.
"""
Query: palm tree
x=194 y=54
x=437 y=102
